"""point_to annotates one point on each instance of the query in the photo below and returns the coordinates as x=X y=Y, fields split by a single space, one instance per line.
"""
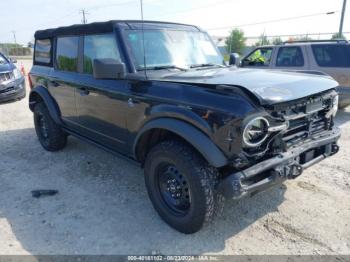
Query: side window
x=290 y=56
x=67 y=54
x=99 y=47
x=259 y=57
x=42 y=52
x=332 y=55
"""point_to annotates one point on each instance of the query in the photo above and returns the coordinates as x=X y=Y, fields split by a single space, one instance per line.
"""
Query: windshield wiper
x=206 y=65
x=164 y=67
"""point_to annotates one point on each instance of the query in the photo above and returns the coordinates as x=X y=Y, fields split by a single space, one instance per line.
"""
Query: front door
x=102 y=105
x=259 y=58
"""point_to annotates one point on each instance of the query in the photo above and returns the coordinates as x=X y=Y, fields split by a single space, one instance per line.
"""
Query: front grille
x=6 y=76
x=9 y=89
x=306 y=127
x=307 y=118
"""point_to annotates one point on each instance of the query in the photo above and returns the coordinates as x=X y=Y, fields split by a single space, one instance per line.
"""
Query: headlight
x=335 y=104
x=334 y=107
x=255 y=132
x=17 y=74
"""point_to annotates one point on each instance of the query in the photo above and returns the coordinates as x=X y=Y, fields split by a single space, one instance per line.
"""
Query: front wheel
x=180 y=184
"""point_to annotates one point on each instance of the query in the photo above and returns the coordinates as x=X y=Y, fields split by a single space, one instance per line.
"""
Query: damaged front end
x=280 y=144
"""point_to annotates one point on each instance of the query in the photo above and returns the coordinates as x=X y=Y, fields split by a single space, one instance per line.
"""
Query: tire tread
x=57 y=139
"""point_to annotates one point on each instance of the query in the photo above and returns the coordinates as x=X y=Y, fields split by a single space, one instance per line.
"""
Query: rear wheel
x=180 y=184
x=50 y=135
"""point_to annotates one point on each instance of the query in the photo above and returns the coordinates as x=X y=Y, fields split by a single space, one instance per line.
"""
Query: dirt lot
x=102 y=206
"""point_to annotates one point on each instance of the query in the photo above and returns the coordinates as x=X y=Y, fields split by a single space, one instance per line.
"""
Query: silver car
x=327 y=57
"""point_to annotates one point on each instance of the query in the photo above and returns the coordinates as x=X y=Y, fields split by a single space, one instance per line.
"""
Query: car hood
x=269 y=86
x=6 y=68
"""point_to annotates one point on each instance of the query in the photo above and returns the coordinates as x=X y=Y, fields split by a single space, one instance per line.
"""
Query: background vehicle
x=12 y=86
x=201 y=130
x=329 y=57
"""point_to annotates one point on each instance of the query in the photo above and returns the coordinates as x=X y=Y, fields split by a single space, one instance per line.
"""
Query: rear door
x=334 y=60
x=102 y=105
x=63 y=78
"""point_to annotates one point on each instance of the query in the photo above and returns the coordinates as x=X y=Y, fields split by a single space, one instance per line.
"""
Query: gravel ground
x=102 y=206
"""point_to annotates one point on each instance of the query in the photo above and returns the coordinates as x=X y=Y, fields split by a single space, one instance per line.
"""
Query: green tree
x=67 y=63
x=262 y=41
x=338 y=36
x=235 y=43
x=277 y=41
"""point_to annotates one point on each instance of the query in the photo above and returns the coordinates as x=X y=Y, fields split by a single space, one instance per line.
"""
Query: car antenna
x=143 y=41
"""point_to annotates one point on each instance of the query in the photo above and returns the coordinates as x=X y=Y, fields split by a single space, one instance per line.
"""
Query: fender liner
x=191 y=134
x=48 y=100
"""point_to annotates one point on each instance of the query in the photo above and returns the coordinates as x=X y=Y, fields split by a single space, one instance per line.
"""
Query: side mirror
x=234 y=59
x=13 y=60
x=108 y=69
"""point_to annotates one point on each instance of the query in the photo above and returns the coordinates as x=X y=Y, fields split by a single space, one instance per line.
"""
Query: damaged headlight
x=334 y=107
x=255 y=132
x=16 y=73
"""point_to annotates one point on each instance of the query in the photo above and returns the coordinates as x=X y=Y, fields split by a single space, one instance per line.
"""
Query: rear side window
x=43 y=51
x=67 y=54
x=290 y=57
x=332 y=55
x=99 y=47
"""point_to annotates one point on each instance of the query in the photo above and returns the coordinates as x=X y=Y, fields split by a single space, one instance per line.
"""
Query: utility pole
x=342 y=19
x=84 y=13
x=14 y=38
x=263 y=38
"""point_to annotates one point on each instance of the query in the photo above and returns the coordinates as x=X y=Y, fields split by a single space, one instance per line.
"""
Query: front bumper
x=275 y=170
x=14 y=90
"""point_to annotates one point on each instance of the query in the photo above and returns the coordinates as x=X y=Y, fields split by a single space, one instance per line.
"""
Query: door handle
x=83 y=91
x=55 y=84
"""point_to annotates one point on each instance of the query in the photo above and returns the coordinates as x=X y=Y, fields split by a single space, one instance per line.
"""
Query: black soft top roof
x=106 y=27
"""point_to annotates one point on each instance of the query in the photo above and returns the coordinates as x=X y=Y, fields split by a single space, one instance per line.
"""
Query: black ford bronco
x=160 y=94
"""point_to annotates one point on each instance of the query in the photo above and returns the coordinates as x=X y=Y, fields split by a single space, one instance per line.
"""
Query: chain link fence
x=15 y=50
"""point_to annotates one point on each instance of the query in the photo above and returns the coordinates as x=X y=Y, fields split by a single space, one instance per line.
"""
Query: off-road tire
x=54 y=138
x=201 y=177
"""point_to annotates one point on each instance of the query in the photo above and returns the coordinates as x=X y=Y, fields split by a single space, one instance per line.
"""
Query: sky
x=252 y=16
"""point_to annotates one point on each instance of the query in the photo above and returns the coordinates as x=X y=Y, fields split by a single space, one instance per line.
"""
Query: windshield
x=165 y=48
x=2 y=60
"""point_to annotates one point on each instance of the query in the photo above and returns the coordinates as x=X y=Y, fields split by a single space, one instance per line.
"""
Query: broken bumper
x=14 y=90
x=275 y=170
